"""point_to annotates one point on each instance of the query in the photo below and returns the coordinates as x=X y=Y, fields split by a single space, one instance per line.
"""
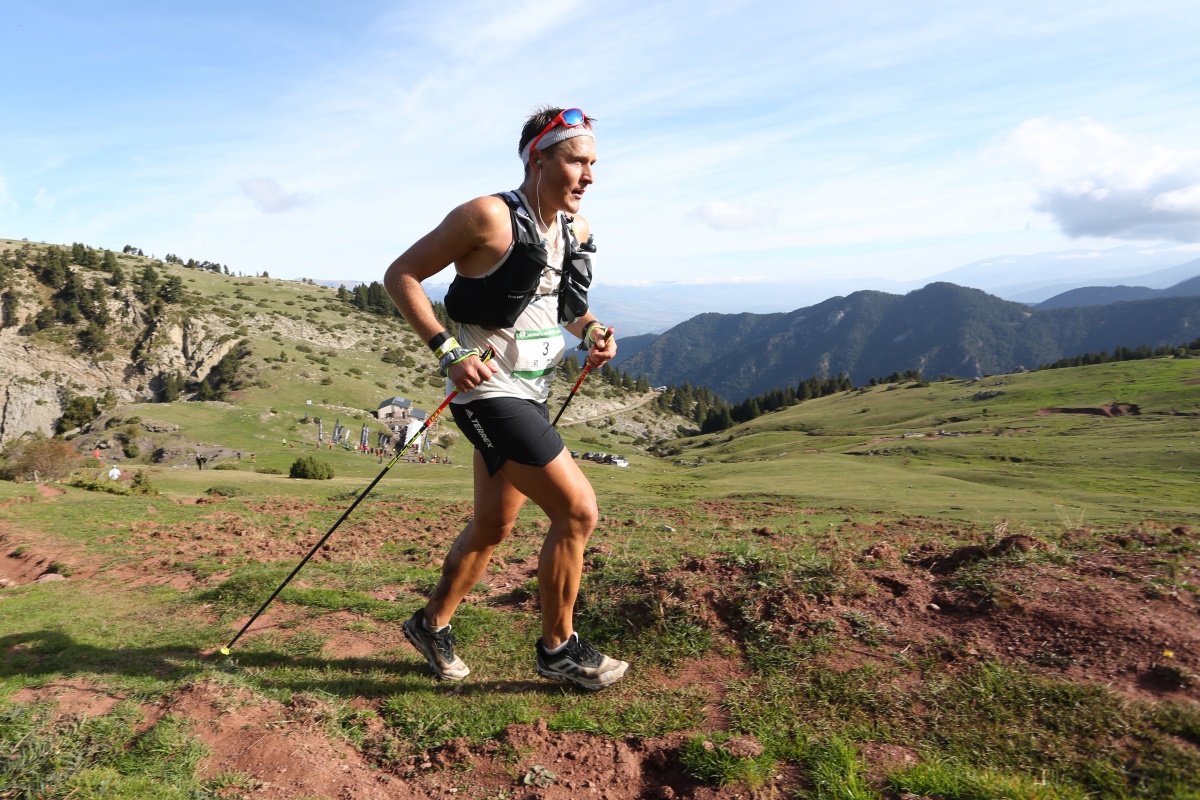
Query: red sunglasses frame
x=560 y=119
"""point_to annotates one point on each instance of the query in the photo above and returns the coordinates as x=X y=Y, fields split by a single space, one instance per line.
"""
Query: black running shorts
x=509 y=428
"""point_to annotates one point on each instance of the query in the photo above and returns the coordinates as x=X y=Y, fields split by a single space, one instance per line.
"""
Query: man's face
x=568 y=172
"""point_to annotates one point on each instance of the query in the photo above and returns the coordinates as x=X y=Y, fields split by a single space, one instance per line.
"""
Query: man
x=520 y=272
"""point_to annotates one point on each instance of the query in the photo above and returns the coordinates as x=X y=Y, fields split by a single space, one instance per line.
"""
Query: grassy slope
x=1011 y=462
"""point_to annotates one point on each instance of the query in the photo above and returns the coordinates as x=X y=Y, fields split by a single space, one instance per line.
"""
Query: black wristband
x=437 y=340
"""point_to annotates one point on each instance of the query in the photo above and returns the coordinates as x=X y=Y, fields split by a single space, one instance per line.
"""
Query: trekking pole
x=486 y=356
x=586 y=369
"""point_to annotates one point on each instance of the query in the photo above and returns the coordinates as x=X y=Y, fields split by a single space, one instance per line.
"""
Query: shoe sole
x=433 y=664
x=560 y=678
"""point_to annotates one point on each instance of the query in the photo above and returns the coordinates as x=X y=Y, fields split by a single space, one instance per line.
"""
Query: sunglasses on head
x=568 y=118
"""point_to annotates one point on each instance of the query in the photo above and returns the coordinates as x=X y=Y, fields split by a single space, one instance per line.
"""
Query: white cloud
x=270 y=197
x=7 y=204
x=1094 y=182
x=723 y=216
x=43 y=199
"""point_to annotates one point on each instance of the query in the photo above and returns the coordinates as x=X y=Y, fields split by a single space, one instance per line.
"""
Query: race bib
x=538 y=352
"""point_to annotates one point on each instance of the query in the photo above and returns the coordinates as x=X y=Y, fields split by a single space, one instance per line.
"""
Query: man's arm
x=467 y=236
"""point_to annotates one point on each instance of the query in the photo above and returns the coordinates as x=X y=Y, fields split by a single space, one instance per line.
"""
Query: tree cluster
x=75 y=299
x=191 y=263
x=1126 y=354
x=713 y=414
x=373 y=299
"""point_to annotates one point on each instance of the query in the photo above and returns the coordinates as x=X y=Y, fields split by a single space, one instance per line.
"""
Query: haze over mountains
x=654 y=306
x=780 y=333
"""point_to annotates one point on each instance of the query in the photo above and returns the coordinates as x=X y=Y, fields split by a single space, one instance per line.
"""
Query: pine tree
x=147 y=286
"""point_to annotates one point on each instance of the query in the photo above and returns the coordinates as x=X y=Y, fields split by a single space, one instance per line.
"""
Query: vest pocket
x=573 y=291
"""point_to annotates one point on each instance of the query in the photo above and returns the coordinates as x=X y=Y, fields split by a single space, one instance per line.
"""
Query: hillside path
x=611 y=411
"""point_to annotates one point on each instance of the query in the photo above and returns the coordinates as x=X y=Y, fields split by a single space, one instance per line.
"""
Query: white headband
x=555 y=136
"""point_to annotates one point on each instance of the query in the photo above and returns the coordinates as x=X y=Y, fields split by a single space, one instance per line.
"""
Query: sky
x=737 y=141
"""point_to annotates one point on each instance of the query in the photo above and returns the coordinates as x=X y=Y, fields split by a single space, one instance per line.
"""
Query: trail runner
x=520 y=272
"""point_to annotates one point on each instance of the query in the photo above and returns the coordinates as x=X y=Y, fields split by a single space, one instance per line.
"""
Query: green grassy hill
x=307 y=352
x=935 y=449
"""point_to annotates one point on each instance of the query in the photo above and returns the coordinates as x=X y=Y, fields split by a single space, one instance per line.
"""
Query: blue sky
x=737 y=141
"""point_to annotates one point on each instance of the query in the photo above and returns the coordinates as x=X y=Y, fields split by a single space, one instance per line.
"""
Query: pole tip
x=224 y=651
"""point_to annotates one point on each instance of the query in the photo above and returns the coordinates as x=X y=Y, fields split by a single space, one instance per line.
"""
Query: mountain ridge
x=1103 y=295
x=939 y=329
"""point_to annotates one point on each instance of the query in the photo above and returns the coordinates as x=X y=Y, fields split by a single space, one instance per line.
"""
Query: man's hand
x=468 y=374
x=602 y=347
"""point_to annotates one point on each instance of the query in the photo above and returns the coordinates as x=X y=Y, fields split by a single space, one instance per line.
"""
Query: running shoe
x=436 y=646
x=581 y=664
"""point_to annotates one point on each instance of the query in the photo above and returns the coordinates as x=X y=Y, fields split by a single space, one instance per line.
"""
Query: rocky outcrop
x=40 y=375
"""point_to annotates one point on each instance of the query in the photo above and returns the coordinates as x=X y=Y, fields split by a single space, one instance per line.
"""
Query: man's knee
x=580 y=514
x=490 y=532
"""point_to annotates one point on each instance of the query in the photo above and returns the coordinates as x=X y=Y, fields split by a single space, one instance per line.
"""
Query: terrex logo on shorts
x=479 y=429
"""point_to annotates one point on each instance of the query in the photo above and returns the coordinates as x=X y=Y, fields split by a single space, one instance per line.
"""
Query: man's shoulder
x=580 y=227
x=482 y=212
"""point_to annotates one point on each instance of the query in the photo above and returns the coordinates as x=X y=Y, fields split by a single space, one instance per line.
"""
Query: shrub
x=224 y=491
x=268 y=471
x=311 y=468
x=49 y=459
x=141 y=484
x=91 y=484
x=78 y=412
x=226 y=465
x=131 y=450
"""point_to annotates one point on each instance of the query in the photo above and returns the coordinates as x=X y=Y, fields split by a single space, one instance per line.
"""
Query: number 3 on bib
x=538 y=352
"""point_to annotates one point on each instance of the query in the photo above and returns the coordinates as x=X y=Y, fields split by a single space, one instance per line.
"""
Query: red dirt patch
x=284 y=749
x=288 y=754
x=72 y=698
x=49 y=491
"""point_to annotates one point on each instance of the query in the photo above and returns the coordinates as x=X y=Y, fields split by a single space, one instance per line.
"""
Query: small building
x=396 y=409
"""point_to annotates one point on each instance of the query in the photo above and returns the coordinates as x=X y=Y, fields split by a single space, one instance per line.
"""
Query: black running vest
x=496 y=300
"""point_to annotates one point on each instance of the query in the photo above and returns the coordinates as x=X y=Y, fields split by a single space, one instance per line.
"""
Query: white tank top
x=528 y=352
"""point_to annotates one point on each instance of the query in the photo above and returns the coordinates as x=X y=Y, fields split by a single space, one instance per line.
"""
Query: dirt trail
x=571 y=421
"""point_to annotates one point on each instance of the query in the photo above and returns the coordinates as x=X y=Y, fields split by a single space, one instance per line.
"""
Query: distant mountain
x=1034 y=278
x=939 y=329
x=1188 y=288
x=1103 y=295
x=632 y=345
x=655 y=306
x=1097 y=296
